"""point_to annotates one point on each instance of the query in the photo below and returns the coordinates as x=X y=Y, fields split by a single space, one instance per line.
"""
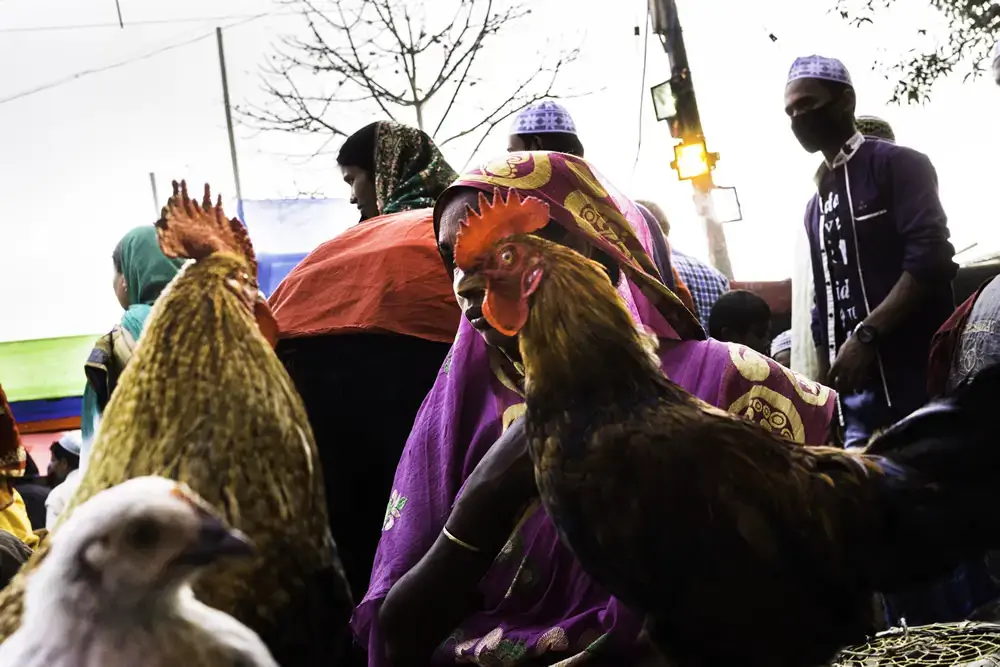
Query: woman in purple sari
x=518 y=597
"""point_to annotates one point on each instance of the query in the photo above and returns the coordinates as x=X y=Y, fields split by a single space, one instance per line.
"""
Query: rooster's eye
x=507 y=256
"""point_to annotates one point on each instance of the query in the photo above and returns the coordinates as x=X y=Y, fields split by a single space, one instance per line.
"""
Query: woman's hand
x=495 y=494
x=482 y=518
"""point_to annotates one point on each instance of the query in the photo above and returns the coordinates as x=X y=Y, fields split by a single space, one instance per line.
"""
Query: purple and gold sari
x=540 y=607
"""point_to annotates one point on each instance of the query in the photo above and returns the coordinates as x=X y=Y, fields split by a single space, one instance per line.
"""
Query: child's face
x=758 y=338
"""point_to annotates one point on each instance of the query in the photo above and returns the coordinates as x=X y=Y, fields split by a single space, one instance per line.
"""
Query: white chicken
x=115 y=589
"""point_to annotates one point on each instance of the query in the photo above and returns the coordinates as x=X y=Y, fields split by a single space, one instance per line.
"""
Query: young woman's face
x=362 y=190
x=121 y=289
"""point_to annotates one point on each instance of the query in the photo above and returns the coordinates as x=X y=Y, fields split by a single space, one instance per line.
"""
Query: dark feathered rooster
x=741 y=548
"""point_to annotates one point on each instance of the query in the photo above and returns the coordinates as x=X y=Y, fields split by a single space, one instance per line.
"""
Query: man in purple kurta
x=882 y=262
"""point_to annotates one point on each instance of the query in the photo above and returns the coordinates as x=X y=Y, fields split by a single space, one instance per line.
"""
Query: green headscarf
x=410 y=171
x=146 y=269
x=147 y=272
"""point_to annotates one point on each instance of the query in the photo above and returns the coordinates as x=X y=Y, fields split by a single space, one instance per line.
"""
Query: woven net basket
x=965 y=644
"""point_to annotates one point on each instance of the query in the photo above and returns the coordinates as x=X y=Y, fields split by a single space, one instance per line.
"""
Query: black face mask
x=818 y=128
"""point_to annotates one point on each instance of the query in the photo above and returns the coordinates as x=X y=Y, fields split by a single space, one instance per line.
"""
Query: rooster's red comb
x=194 y=231
x=495 y=221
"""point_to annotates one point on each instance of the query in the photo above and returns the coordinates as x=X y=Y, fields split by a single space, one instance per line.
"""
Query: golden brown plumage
x=206 y=401
x=741 y=547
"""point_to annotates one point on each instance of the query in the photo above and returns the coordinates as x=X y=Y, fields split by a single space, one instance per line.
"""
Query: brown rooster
x=740 y=547
x=205 y=401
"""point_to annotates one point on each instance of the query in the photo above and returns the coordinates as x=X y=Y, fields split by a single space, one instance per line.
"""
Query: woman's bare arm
x=434 y=597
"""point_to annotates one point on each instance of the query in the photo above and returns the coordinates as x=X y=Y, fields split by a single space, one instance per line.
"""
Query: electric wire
x=642 y=91
x=122 y=63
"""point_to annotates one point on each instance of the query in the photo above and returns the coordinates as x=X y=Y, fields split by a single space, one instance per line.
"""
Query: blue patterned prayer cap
x=542 y=118
x=818 y=67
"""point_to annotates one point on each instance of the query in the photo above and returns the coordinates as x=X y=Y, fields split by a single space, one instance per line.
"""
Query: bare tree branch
x=973 y=29
x=390 y=57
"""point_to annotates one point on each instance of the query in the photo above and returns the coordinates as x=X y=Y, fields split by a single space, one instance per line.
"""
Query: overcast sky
x=75 y=156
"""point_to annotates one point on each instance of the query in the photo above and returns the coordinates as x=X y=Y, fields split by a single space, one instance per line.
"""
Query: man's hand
x=852 y=363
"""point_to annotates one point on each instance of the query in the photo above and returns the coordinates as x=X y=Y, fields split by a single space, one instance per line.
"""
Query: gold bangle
x=461 y=543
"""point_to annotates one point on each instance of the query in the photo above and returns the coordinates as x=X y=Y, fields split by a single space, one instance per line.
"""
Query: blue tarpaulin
x=284 y=231
x=26 y=412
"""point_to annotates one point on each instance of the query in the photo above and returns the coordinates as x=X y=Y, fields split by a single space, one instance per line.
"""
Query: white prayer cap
x=782 y=342
x=71 y=442
x=818 y=67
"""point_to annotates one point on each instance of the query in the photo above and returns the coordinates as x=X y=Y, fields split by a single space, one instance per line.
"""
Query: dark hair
x=116 y=257
x=737 y=310
x=60 y=453
x=358 y=150
x=560 y=142
x=30 y=467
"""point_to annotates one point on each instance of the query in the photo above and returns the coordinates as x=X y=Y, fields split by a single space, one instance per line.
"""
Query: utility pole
x=667 y=25
x=156 y=199
x=229 y=120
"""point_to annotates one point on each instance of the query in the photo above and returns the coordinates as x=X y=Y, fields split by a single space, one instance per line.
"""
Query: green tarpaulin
x=46 y=368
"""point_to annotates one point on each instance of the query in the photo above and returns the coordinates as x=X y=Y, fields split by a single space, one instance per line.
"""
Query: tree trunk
x=419 y=108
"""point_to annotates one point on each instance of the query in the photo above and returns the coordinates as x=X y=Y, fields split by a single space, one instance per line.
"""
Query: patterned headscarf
x=410 y=171
x=818 y=67
x=587 y=205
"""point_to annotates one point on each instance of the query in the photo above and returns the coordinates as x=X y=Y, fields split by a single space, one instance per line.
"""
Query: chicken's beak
x=215 y=541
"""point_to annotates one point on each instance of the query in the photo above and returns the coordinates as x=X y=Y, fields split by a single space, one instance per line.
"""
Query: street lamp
x=692 y=160
x=663 y=101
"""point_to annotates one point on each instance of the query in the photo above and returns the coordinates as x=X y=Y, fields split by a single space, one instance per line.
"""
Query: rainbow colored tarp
x=44 y=380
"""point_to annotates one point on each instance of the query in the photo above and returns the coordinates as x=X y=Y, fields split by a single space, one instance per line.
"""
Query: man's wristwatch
x=866 y=333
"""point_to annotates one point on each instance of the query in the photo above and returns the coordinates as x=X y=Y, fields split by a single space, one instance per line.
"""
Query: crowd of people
x=410 y=392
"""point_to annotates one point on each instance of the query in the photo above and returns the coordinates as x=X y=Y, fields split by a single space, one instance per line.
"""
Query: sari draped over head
x=147 y=272
x=12 y=456
x=410 y=171
x=540 y=607
x=383 y=276
x=13 y=460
